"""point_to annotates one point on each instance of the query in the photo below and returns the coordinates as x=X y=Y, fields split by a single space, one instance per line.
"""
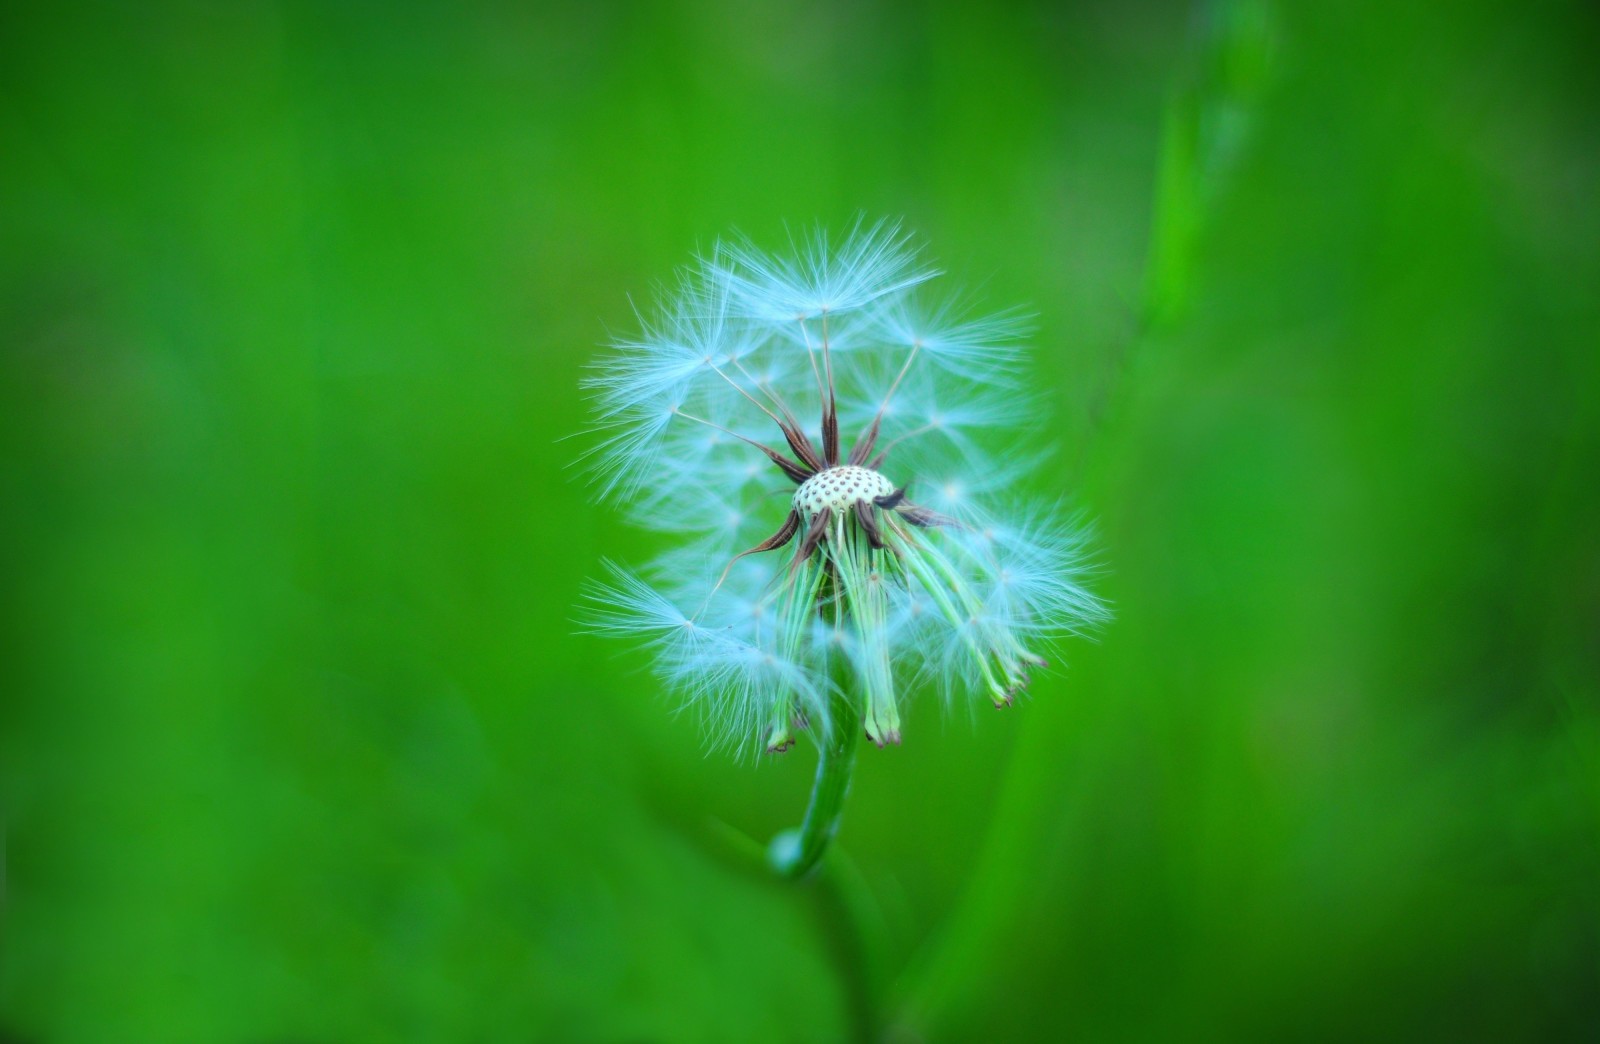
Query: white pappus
x=822 y=437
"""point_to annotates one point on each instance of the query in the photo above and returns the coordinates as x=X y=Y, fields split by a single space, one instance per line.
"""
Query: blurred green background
x=299 y=743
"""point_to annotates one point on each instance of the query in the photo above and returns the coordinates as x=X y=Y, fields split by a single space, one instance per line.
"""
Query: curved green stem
x=794 y=853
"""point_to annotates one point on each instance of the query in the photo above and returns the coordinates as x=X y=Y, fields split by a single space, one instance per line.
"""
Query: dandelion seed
x=820 y=394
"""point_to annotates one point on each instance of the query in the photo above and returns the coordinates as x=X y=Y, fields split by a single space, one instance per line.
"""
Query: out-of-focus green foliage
x=299 y=742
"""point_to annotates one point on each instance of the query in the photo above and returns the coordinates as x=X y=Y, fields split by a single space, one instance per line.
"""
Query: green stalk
x=794 y=853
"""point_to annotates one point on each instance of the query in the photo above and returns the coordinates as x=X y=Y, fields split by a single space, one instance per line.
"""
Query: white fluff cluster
x=838 y=456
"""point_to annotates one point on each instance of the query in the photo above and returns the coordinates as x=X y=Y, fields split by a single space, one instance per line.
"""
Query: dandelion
x=837 y=453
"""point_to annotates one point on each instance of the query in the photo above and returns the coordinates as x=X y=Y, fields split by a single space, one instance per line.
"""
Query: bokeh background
x=299 y=741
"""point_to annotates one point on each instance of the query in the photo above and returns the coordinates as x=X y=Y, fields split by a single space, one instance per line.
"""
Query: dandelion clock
x=833 y=449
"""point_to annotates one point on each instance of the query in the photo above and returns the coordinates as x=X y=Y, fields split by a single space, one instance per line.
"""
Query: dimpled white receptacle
x=839 y=489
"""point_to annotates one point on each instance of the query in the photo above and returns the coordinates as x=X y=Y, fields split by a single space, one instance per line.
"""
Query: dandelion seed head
x=758 y=417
